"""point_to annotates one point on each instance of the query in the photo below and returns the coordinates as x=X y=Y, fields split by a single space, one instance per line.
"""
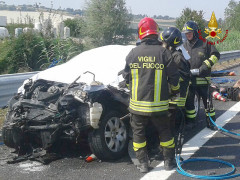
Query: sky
x=172 y=8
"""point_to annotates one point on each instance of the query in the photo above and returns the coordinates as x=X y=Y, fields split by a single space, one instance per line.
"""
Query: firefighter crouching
x=172 y=38
x=148 y=71
x=203 y=57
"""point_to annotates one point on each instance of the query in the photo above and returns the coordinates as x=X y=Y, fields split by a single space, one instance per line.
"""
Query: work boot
x=210 y=125
x=142 y=156
x=156 y=153
x=169 y=158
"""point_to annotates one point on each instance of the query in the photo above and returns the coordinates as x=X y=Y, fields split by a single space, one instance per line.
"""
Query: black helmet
x=172 y=36
x=191 y=26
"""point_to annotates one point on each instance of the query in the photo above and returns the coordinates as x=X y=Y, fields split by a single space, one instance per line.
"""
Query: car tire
x=7 y=132
x=110 y=140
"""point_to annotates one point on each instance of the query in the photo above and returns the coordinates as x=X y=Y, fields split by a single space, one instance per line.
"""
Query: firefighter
x=148 y=71
x=203 y=57
x=172 y=39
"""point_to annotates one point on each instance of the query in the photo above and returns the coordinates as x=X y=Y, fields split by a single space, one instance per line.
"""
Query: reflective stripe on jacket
x=201 y=53
x=184 y=71
x=148 y=71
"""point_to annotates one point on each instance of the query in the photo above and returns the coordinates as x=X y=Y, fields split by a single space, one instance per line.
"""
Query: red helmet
x=146 y=27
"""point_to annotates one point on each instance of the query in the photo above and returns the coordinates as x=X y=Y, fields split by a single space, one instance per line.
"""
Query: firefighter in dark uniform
x=203 y=57
x=172 y=39
x=148 y=71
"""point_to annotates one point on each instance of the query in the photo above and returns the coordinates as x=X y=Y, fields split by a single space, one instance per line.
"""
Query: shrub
x=33 y=52
x=231 y=43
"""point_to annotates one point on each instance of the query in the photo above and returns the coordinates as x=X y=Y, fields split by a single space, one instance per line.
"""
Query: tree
x=76 y=25
x=108 y=22
x=232 y=13
x=70 y=10
x=220 y=22
x=187 y=15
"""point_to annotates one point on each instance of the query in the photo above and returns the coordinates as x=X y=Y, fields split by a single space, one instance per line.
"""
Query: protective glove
x=203 y=70
x=174 y=96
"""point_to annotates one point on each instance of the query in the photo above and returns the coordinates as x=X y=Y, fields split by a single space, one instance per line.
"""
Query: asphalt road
x=219 y=145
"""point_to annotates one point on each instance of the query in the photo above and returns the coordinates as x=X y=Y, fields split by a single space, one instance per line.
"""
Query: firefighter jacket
x=148 y=71
x=202 y=54
x=184 y=71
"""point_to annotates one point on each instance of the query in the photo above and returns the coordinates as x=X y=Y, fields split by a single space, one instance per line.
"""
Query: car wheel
x=197 y=104
x=110 y=140
x=7 y=132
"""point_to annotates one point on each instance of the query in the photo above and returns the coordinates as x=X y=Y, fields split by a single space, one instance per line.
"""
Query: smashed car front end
x=49 y=112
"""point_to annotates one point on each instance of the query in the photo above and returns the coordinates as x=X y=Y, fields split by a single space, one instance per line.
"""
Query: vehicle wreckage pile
x=48 y=112
x=52 y=106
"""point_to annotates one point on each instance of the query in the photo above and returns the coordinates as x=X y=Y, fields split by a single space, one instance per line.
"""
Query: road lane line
x=190 y=147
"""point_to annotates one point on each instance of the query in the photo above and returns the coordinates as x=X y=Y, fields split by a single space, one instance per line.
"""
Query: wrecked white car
x=76 y=100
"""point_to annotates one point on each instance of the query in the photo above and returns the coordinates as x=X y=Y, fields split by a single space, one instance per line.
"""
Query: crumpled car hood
x=105 y=62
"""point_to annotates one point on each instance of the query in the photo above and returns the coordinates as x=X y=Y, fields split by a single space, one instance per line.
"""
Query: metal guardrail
x=228 y=55
x=10 y=83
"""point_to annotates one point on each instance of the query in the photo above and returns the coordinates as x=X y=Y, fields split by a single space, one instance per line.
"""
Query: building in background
x=3 y=30
x=3 y=21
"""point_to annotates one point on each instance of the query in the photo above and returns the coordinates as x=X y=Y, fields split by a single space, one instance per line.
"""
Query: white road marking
x=193 y=144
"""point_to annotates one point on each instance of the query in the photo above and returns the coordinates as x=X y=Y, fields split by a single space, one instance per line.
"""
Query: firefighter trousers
x=190 y=107
x=162 y=124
